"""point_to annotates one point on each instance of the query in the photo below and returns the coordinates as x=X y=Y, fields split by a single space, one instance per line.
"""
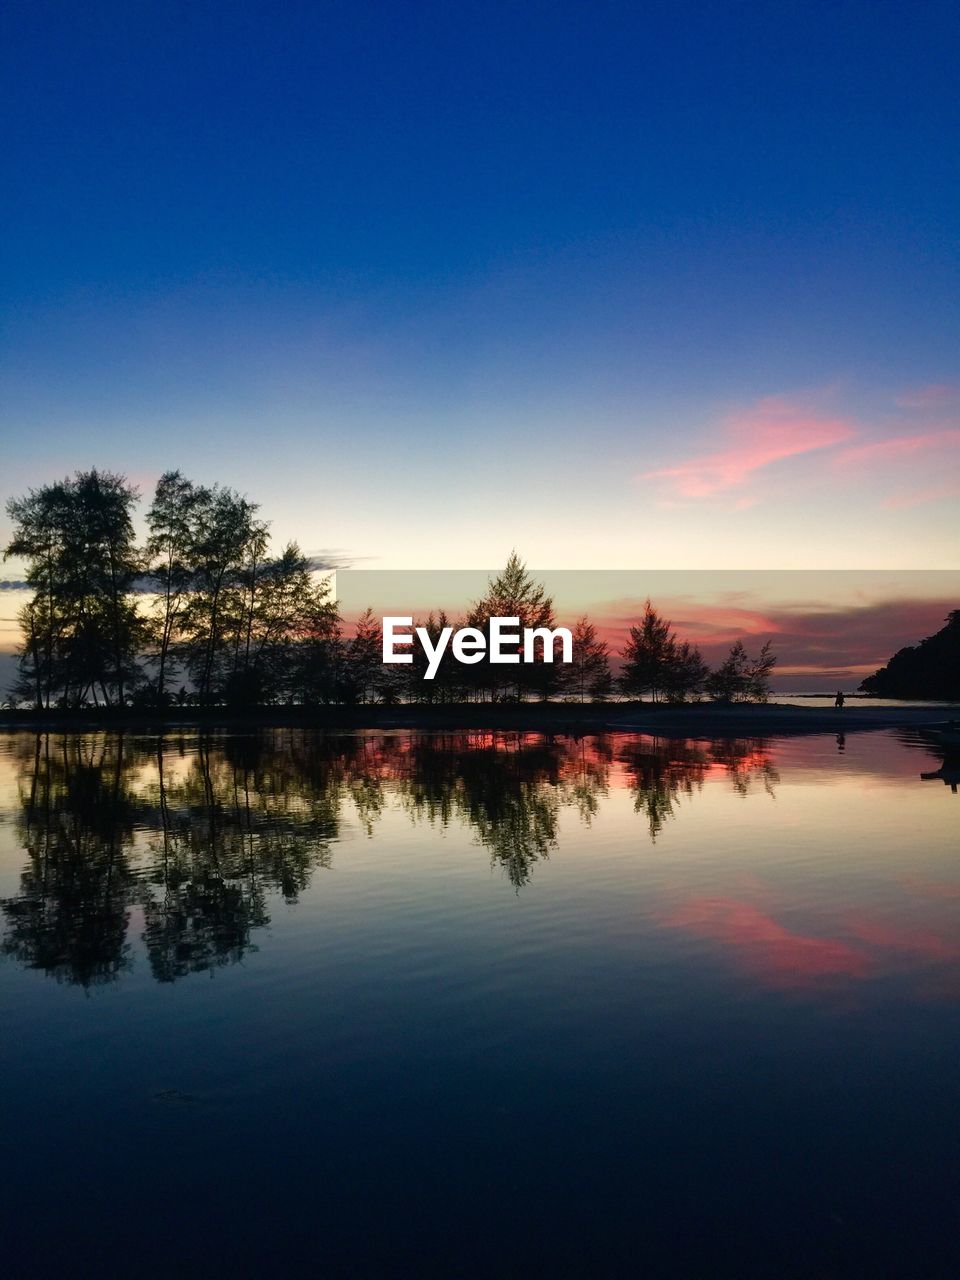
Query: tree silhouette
x=930 y=669
x=228 y=540
x=451 y=680
x=76 y=825
x=655 y=662
x=588 y=675
x=82 y=630
x=758 y=676
x=740 y=678
x=173 y=521
x=365 y=678
x=207 y=602
x=686 y=673
x=275 y=609
x=514 y=593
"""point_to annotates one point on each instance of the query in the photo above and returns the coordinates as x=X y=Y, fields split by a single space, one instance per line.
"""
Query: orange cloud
x=774 y=430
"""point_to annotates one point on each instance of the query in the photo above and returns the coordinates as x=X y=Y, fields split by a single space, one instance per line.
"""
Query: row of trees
x=202 y=604
x=204 y=612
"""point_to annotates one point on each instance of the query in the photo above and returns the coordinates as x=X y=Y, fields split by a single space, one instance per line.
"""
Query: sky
x=828 y=628
x=621 y=285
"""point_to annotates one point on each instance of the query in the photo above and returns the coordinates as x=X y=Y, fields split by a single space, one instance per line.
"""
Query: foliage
x=930 y=669
x=656 y=662
x=81 y=629
x=206 y=614
x=514 y=594
x=741 y=678
x=588 y=675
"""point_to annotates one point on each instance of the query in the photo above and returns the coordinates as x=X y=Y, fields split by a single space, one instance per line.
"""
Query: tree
x=33 y=677
x=648 y=655
x=173 y=524
x=319 y=660
x=78 y=829
x=729 y=682
x=227 y=543
x=686 y=673
x=364 y=676
x=758 y=677
x=39 y=535
x=930 y=669
x=740 y=678
x=588 y=675
x=514 y=594
x=281 y=608
x=82 y=630
x=450 y=678
x=105 y=504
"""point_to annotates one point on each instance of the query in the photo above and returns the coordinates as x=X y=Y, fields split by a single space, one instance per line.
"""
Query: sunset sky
x=620 y=285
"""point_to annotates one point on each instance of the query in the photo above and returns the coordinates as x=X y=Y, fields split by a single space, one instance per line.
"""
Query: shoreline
x=691 y=720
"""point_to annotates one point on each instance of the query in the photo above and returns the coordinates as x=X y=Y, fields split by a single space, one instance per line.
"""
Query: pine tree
x=588 y=675
x=364 y=680
x=514 y=593
x=647 y=656
x=686 y=673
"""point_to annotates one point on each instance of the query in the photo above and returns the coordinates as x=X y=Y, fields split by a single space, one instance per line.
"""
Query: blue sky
x=618 y=284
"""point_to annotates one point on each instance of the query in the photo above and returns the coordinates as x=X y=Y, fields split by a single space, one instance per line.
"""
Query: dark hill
x=930 y=669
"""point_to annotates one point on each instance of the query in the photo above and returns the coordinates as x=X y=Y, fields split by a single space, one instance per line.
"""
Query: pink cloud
x=768 y=949
x=921 y=943
x=780 y=958
x=809 y=637
x=919 y=467
x=774 y=430
x=899 y=447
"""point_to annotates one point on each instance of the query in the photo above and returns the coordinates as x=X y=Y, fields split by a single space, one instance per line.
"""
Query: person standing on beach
x=839 y=698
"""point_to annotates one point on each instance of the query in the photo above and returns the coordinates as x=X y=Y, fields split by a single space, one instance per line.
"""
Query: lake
x=391 y=1004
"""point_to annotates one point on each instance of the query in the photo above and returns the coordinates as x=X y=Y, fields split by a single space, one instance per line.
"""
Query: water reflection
x=660 y=773
x=197 y=835
x=76 y=825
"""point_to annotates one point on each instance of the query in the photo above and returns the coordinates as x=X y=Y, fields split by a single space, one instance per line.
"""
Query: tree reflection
x=200 y=835
x=76 y=826
x=662 y=771
x=238 y=823
x=504 y=787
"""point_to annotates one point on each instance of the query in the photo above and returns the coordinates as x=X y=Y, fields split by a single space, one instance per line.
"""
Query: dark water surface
x=479 y=1004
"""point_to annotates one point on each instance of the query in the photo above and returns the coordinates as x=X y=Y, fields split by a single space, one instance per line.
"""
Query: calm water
x=395 y=1004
